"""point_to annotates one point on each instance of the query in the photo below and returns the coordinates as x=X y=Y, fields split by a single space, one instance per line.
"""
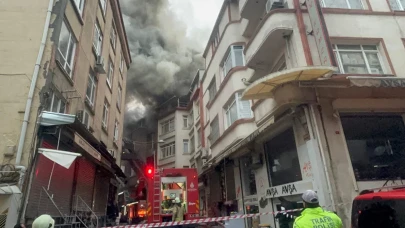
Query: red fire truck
x=164 y=186
x=379 y=209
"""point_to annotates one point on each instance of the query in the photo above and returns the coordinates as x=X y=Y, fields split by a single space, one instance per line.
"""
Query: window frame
x=186 y=146
x=323 y=5
x=185 y=121
x=122 y=62
x=235 y=100
x=103 y=6
x=59 y=104
x=110 y=73
x=80 y=6
x=212 y=89
x=214 y=122
x=119 y=97
x=91 y=79
x=65 y=56
x=231 y=54
x=399 y=4
x=85 y=112
x=116 y=131
x=113 y=35
x=97 y=45
x=337 y=54
x=168 y=150
x=170 y=126
x=106 y=110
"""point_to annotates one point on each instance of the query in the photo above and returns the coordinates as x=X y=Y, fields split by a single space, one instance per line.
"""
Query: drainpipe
x=303 y=33
x=33 y=84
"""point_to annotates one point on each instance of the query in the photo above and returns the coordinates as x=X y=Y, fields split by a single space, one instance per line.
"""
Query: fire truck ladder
x=156 y=204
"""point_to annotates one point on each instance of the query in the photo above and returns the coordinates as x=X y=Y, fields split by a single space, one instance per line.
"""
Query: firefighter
x=178 y=211
x=315 y=216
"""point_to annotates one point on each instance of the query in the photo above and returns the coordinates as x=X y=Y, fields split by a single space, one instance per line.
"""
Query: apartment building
x=63 y=66
x=302 y=95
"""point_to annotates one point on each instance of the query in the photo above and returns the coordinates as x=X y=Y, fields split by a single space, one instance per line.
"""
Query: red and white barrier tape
x=215 y=219
x=204 y=220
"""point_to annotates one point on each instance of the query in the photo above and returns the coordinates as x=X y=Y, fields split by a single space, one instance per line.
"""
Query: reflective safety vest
x=317 y=218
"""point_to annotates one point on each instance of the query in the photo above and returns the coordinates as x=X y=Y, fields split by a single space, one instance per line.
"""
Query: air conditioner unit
x=99 y=67
x=79 y=115
x=256 y=161
x=204 y=153
x=274 y=4
x=204 y=161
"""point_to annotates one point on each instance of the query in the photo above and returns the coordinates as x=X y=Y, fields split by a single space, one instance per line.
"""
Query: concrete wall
x=19 y=47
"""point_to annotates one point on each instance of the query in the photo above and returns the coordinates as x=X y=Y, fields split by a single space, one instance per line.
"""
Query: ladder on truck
x=157 y=199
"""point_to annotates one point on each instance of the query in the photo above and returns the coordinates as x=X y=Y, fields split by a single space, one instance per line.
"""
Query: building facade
x=66 y=58
x=301 y=95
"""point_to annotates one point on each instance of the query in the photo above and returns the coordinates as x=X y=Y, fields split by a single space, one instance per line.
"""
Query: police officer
x=313 y=216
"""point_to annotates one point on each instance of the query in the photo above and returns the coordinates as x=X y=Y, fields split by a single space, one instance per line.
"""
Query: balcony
x=255 y=10
x=270 y=40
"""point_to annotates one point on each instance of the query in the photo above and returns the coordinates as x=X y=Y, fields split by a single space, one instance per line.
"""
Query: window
x=168 y=150
x=185 y=121
x=97 y=39
x=116 y=130
x=66 y=48
x=119 y=97
x=185 y=146
x=237 y=109
x=103 y=4
x=191 y=118
x=192 y=144
x=199 y=137
x=86 y=119
x=214 y=130
x=345 y=4
x=167 y=126
x=80 y=5
x=282 y=158
x=113 y=36
x=397 y=4
x=358 y=59
x=122 y=63
x=57 y=104
x=106 y=109
x=212 y=89
x=376 y=145
x=91 y=89
x=197 y=107
x=235 y=58
x=110 y=73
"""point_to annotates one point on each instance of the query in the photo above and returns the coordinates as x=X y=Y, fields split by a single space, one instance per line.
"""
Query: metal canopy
x=264 y=87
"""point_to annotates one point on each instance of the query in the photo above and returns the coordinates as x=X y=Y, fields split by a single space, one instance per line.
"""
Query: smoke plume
x=164 y=61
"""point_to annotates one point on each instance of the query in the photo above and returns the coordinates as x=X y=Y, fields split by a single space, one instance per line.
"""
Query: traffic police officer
x=314 y=216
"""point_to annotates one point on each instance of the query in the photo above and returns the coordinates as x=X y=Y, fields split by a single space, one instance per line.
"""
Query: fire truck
x=379 y=209
x=164 y=186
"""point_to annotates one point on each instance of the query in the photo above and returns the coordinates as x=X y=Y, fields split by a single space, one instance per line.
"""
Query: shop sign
x=87 y=147
x=289 y=189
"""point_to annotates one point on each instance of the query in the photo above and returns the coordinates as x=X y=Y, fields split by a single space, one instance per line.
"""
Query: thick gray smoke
x=163 y=64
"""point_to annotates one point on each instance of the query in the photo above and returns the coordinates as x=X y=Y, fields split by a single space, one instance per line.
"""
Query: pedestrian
x=19 y=225
x=43 y=221
x=315 y=216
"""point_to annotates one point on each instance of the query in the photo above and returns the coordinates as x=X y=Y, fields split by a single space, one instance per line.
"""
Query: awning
x=264 y=87
x=361 y=81
x=54 y=118
x=63 y=158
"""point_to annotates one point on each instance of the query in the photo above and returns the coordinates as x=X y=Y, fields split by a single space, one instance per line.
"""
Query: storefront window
x=376 y=145
x=282 y=158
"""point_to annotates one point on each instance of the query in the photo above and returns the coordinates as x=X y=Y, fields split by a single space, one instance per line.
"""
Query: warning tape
x=215 y=219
